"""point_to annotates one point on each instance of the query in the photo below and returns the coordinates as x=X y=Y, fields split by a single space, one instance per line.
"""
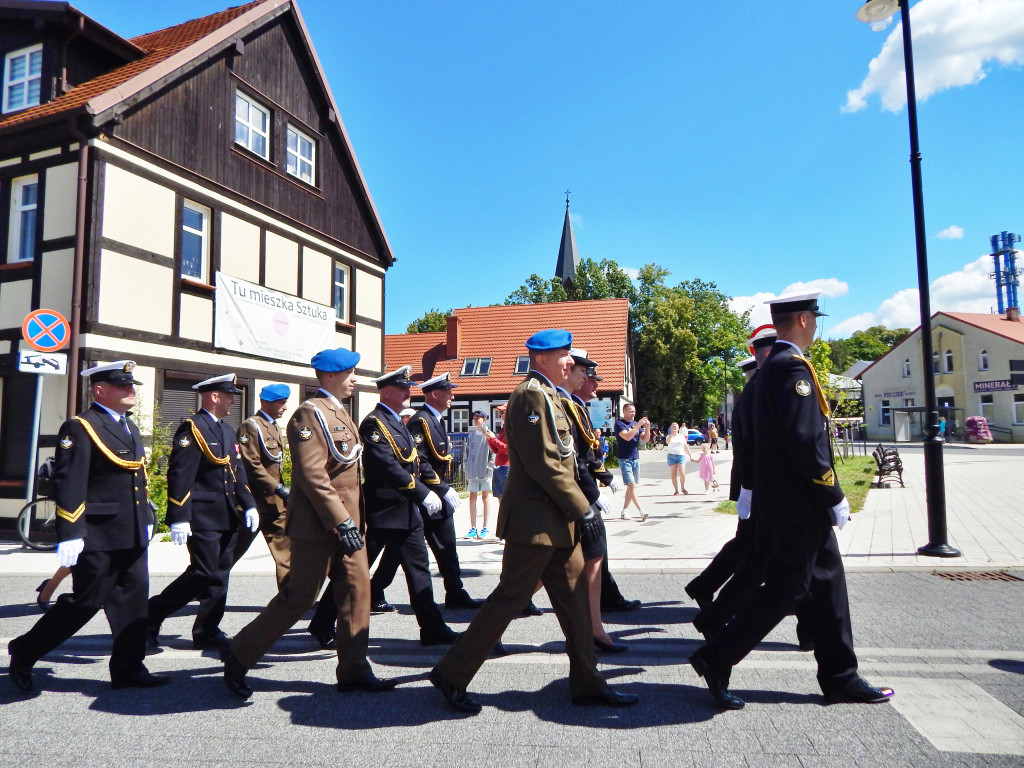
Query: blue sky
x=756 y=146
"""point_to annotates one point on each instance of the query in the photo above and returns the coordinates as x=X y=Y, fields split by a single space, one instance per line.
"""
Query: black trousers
x=411 y=549
x=440 y=537
x=118 y=582
x=726 y=562
x=804 y=572
x=205 y=580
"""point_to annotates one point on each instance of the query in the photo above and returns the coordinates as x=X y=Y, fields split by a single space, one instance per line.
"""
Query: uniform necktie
x=124 y=423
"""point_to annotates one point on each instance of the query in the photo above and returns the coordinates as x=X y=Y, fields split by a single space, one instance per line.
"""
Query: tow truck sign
x=42 y=362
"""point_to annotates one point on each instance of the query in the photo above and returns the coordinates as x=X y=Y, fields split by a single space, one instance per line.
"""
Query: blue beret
x=274 y=392
x=552 y=338
x=332 y=360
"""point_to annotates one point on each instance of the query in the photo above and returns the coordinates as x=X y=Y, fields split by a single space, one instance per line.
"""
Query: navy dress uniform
x=797 y=499
x=259 y=438
x=207 y=495
x=396 y=483
x=434 y=447
x=538 y=519
x=325 y=525
x=103 y=517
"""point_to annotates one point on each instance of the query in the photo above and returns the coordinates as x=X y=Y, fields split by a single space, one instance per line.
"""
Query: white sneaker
x=624 y=515
x=643 y=515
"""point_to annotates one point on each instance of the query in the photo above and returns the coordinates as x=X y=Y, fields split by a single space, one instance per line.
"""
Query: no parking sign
x=45 y=330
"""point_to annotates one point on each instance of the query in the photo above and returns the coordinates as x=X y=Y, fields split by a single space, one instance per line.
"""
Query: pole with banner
x=46 y=331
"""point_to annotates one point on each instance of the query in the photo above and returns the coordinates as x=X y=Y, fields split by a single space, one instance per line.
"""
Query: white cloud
x=759 y=313
x=967 y=290
x=577 y=220
x=954 y=40
x=952 y=232
x=634 y=274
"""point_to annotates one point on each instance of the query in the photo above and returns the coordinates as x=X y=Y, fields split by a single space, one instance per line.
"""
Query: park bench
x=890 y=466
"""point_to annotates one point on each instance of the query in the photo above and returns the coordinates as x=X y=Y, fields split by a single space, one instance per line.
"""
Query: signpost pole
x=33 y=445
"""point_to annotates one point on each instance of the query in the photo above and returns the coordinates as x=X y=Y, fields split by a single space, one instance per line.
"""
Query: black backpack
x=44 y=478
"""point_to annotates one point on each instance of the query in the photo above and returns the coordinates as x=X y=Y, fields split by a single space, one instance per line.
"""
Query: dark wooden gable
x=189 y=121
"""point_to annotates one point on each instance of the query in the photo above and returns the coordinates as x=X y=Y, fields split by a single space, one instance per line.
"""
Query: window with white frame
x=460 y=419
x=195 y=241
x=301 y=156
x=522 y=365
x=497 y=419
x=935 y=362
x=983 y=360
x=23 y=78
x=908 y=402
x=252 y=125
x=885 y=414
x=1018 y=408
x=949 y=361
x=906 y=368
x=340 y=296
x=476 y=366
x=21 y=237
x=987 y=406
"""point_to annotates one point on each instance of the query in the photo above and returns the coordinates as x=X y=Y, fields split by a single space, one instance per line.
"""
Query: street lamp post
x=934 y=478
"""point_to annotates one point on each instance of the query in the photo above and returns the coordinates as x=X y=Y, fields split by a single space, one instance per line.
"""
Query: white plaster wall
x=344 y=339
x=239 y=248
x=365 y=402
x=369 y=341
x=282 y=264
x=138 y=212
x=121 y=301
x=15 y=303
x=145 y=398
x=196 y=318
x=59 y=205
x=57 y=274
x=369 y=295
x=317 y=276
x=53 y=412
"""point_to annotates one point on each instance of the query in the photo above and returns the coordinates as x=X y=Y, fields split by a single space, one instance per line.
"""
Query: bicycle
x=37 y=524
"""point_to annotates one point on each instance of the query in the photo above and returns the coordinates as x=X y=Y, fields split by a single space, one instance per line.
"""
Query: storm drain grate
x=975 y=576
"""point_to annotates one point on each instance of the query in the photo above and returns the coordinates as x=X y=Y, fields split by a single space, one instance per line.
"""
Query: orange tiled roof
x=601 y=327
x=159 y=45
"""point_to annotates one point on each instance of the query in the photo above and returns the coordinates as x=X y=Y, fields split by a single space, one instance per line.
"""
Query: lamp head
x=878 y=12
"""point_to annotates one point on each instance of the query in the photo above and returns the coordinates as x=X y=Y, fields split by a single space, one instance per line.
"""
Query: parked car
x=694 y=437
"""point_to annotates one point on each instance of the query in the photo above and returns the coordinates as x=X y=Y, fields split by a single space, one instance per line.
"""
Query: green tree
x=432 y=321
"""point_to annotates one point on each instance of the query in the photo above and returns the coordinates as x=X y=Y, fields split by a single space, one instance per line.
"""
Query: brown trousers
x=312 y=562
x=272 y=527
x=559 y=569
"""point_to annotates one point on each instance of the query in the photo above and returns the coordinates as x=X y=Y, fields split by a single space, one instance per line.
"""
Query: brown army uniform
x=537 y=519
x=259 y=438
x=325 y=492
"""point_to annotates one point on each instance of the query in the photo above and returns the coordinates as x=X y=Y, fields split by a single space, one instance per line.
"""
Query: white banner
x=255 y=320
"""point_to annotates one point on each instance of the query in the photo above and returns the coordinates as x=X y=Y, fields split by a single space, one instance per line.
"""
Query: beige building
x=971 y=367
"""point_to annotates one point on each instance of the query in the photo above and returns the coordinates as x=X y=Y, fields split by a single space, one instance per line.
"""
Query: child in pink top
x=706 y=472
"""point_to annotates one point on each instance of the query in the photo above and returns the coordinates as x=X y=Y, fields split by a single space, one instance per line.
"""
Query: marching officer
x=397 y=483
x=259 y=439
x=539 y=521
x=104 y=522
x=433 y=446
x=798 y=500
x=325 y=527
x=208 y=499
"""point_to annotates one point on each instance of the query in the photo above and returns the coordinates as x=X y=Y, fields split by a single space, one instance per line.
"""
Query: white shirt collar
x=434 y=410
x=114 y=414
x=794 y=346
x=385 y=405
x=332 y=398
x=534 y=370
x=215 y=419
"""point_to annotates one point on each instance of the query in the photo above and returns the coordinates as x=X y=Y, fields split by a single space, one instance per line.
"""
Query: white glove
x=68 y=552
x=432 y=504
x=180 y=532
x=840 y=513
x=601 y=506
x=615 y=485
x=743 y=503
x=149 y=533
x=252 y=519
x=452 y=497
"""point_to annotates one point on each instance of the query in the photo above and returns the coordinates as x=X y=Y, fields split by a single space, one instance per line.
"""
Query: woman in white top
x=678 y=455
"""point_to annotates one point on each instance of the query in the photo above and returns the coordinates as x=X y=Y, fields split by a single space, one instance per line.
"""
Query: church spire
x=568 y=258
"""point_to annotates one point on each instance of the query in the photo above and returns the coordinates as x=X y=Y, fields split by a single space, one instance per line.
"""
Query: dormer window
x=23 y=77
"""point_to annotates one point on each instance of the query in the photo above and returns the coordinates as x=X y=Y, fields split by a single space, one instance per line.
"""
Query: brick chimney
x=1012 y=314
x=454 y=340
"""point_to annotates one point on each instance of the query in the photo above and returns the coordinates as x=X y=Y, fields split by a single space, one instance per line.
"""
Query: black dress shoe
x=457 y=698
x=215 y=641
x=860 y=692
x=44 y=605
x=612 y=647
x=323 y=635
x=141 y=679
x=702 y=600
x=370 y=683
x=381 y=606
x=153 y=638
x=606 y=697
x=19 y=672
x=462 y=600
x=234 y=673
x=717 y=682
x=444 y=636
x=531 y=610
x=621 y=605
x=806 y=645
